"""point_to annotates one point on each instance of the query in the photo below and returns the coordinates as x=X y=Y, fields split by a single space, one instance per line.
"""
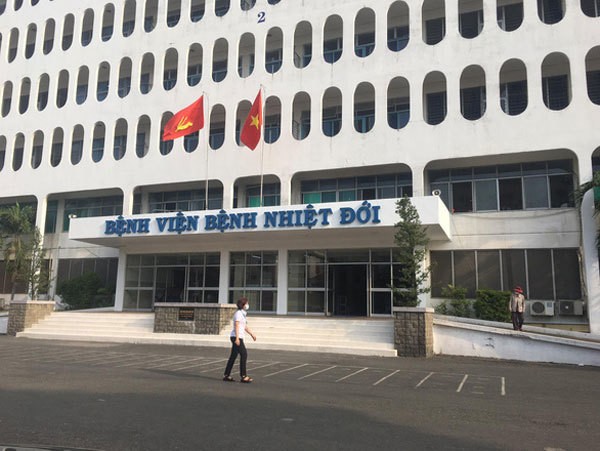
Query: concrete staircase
x=343 y=336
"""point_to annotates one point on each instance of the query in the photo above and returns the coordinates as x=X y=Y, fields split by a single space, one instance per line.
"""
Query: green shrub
x=492 y=305
x=456 y=303
x=84 y=292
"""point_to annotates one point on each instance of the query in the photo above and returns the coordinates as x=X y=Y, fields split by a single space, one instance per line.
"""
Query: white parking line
x=287 y=369
x=462 y=383
x=384 y=378
x=262 y=366
x=198 y=364
x=170 y=362
x=350 y=375
x=55 y=357
x=114 y=359
x=317 y=372
x=142 y=360
x=424 y=379
x=218 y=367
x=503 y=387
x=191 y=360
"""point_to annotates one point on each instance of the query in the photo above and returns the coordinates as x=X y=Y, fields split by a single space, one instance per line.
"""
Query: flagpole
x=262 y=145
x=206 y=145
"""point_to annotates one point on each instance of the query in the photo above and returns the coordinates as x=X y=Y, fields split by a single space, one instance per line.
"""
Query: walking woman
x=240 y=327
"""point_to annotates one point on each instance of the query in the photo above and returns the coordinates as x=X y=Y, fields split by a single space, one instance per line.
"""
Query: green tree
x=16 y=226
x=411 y=250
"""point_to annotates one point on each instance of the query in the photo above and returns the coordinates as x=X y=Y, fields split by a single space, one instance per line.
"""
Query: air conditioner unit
x=574 y=308
x=541 y=308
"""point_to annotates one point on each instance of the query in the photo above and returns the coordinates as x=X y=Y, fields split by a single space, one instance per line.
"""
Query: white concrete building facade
x=484 y=112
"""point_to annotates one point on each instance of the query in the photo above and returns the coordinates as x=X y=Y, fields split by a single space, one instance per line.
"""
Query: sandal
x=246 y=380
x=228 y=379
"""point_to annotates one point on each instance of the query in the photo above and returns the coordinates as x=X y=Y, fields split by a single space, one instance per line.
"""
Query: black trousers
x=517 y=320
x=235 y=350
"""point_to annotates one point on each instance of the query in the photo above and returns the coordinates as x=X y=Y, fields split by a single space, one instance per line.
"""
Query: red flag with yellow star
x=251 y=131
x=186 y=121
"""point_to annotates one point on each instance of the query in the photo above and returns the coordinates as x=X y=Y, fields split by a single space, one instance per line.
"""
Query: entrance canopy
x=339 y=224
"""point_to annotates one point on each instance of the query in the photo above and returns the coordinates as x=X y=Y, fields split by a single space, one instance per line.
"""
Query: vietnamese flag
x=251 y=130
x=186 y=121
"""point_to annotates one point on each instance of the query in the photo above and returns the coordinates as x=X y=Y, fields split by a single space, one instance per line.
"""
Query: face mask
x=246 y=307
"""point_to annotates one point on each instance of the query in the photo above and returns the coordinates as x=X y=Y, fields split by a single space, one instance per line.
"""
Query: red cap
x=518 y=289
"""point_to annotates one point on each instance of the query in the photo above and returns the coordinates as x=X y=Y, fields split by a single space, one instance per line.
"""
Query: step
x=217 y=341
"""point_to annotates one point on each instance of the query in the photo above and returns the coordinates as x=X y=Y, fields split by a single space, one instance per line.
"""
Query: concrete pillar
x=590 y=264
x=224 y=278
x=282 y=281
x=121 y=273
x=413 y=331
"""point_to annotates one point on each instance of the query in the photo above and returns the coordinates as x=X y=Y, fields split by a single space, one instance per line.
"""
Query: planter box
x=413 y=331
x=24 y=314
x=181 y=318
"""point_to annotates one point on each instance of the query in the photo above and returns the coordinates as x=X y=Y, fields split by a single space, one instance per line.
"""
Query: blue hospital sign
x=304 y=218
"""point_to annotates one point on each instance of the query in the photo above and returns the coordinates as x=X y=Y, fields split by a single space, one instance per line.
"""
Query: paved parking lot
x=305 y=371
x=145 y=397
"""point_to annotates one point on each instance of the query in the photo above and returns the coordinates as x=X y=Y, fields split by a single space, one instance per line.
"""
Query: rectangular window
x=272 y=129
x=124 y=86
x=471 y=24
x=556 y=92
x=90 y=207
x=593 y=85
x=436 y=107
x=61 y=97
x=561 y=191
x=536 y=192
x=591 y=8
x=472 y=102
x=128 y=28
x=464 y=271
x=273 y=61
x=435 y=29
x=217 y=136
x=488 y=270
x=332 y=50
x=364 y=117
x=441 y=271
x=397 y=38
x=81 y=93
x=486 y=195
x=540 y=275
x=76 y=151
x=102 y=89
x=51 y=216
x=97 y=149
x=254 y=275
x=145 y=83
x=462 y=197
x=551 y=10
x=398 y=112
x=86 y=37
x=513 y=97
x=219 y=70
x=332 y=120
x=510 y=16
x=194 y=74
x=364 y=45
x=566 y=268
x=510 y=194
x=169 y=78
x=107 y=32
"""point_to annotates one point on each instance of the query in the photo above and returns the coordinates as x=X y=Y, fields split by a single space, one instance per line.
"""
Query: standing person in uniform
x=240 y=327
x=516 y=306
